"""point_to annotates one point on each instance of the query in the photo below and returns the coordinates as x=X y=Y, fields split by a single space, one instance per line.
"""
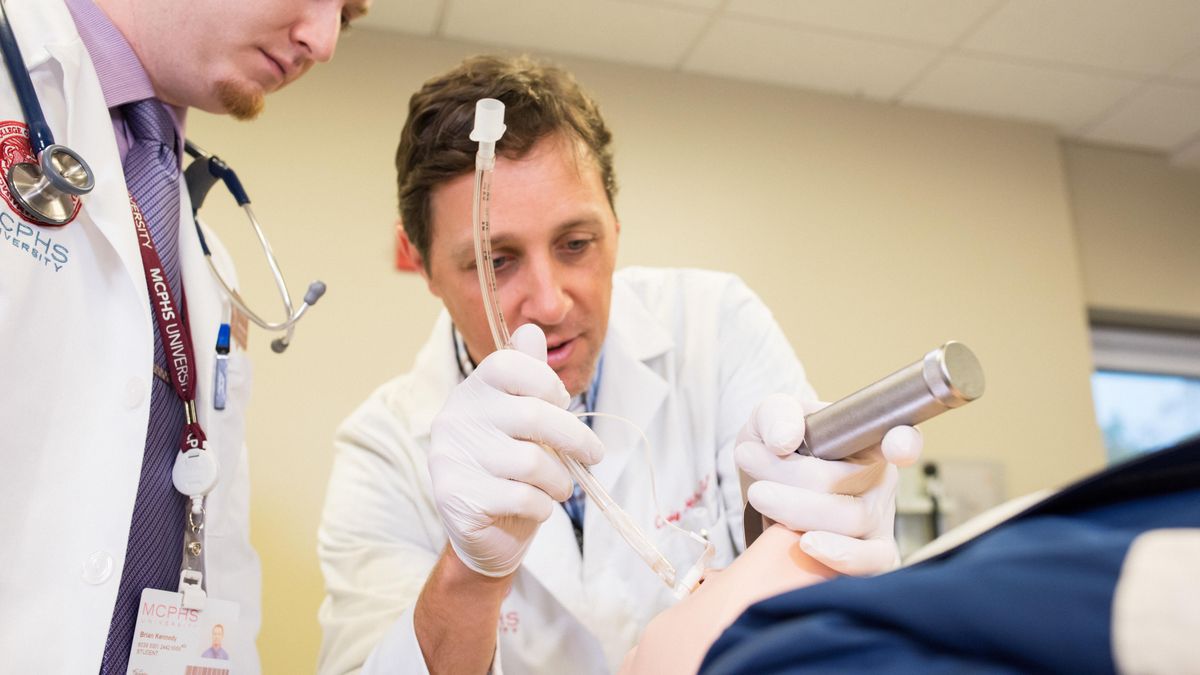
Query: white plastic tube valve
x=489 y=126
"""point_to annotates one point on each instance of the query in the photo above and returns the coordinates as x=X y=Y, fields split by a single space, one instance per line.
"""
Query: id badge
x=172 y=640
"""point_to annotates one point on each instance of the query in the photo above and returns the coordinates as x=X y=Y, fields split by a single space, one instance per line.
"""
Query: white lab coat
x=687 y=356
x=76 y=347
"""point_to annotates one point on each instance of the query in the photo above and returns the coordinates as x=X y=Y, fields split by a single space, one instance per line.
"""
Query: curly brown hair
x=539 y=100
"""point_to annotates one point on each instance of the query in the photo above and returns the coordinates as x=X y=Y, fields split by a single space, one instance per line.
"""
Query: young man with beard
x=92 y=410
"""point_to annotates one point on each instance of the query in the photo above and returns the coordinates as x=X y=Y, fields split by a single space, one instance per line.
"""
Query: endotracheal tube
x=489 y=127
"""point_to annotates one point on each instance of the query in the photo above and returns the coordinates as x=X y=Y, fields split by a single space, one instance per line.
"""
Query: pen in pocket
x=222 y=365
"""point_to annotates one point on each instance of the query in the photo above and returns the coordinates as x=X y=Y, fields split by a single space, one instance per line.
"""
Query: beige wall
x=874 y=232
x=1138 y=223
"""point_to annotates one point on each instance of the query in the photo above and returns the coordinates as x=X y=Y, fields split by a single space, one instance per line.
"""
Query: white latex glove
x=492 y=481
x=846 y=508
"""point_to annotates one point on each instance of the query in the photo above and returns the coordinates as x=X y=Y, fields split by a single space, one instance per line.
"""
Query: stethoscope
x=200 y=175
x=50 y=188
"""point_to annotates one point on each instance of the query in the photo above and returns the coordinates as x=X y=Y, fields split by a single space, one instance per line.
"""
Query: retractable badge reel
x=173 y=629
x=183 y=632
x=195 y=474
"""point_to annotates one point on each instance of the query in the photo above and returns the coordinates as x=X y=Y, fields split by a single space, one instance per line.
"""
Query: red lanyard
x=173 y=330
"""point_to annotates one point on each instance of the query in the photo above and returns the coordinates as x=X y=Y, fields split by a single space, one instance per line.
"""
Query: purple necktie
x=155 y=548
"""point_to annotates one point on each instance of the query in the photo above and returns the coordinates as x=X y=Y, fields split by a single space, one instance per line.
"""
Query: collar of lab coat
x=80 y=120
x=40 y=27
x=48 y=35
x=630 y=387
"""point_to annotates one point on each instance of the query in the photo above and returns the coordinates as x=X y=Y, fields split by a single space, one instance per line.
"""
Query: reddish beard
x=243 y=103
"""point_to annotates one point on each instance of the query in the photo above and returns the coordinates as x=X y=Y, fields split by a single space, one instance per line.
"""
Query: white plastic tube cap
x=489 y=121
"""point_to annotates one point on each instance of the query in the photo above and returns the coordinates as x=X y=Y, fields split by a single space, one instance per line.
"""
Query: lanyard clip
x=192 y=589
x=191 y=576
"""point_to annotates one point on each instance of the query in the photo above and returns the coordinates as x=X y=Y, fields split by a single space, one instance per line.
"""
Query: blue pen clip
x=222 y=366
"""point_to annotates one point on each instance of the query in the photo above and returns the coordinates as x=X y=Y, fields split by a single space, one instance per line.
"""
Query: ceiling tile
x=1064 y=99
x=654 y=35
x=409 y=16
x=936 y=22
x=1160 y=117
x=751 y=50
x=1136 y=36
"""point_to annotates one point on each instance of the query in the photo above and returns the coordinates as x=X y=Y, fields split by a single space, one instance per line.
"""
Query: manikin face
x=224 y=56
x=554 y=247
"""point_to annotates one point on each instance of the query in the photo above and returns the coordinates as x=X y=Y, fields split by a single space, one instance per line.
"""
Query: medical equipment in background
x=962 y=488
x=923 y=507
x=947 y=377
x=200 y=175
x=936 y=495
x=50 y=188
x=489 y=127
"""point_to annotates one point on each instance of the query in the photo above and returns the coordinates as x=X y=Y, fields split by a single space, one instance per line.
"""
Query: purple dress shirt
x=122 y=77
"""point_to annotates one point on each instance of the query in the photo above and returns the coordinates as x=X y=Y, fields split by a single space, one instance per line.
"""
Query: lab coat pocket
x=238 y=384
x=228 y=505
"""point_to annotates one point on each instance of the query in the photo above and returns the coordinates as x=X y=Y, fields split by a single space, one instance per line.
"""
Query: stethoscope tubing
x=200 y=175
x=40 y=136
x=47 y=188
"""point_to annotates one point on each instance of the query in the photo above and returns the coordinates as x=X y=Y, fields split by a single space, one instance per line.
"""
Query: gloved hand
x=846 y=508
x=493 y=484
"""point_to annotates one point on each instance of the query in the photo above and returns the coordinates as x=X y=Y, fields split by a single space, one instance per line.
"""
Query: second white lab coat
x=687 y=356
x=76 y=349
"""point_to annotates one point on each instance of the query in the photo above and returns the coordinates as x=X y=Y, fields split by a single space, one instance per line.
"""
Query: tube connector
x=489 y=126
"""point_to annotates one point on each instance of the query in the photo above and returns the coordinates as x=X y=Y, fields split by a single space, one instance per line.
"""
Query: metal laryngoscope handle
x=947 y=377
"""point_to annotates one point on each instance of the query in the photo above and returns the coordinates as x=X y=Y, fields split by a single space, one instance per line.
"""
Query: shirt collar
x=122 y=77
x=585 y=402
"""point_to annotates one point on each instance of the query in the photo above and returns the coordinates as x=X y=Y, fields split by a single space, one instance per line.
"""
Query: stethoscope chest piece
x=50 y=189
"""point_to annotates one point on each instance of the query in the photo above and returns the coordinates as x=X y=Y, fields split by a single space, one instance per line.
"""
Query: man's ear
x=407 y=257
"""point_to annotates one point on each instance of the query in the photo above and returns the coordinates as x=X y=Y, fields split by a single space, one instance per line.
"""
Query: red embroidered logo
x=688 y=504
x=15 y=149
